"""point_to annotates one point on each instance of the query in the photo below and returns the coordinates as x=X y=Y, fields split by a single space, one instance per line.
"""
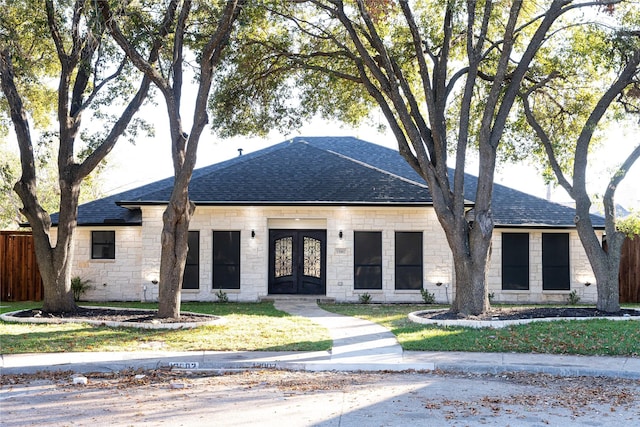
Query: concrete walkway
x=359 y=345
x=355 y=341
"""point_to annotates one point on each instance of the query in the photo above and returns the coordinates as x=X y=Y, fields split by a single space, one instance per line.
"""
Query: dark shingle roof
x=319 y=170
x=296 y=172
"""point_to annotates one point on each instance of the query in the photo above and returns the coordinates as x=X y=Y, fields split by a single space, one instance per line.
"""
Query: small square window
x=103 y=245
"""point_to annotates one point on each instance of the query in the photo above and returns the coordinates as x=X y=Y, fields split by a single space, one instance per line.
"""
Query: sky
x=150 y=159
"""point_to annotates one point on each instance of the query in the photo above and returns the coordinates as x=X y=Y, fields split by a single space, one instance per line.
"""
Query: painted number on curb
x=184 y=365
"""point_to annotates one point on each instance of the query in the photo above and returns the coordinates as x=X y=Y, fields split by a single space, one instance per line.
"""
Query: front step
x=299 y=298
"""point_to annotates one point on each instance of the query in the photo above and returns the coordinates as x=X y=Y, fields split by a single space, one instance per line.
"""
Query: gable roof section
x=319 y=171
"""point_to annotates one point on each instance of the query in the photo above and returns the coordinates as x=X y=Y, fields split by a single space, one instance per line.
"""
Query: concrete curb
x=479 y=363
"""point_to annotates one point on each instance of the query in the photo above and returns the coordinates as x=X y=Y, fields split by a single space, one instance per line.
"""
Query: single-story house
x=329 y=216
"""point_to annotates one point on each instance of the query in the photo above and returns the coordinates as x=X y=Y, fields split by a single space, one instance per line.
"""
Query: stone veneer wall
x=339 y=274
x=111 y=279
x=579 y=271
x=131 y=275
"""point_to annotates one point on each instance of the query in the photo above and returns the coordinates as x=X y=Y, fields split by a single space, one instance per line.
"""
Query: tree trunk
x=606 y=269
x=469 y=240
x=608 y=291
x=55 y=269
x=173 y=256
x=471 y=288
x=605 y=263
x=54 y=263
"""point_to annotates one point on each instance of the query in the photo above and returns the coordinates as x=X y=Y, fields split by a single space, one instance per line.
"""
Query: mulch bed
x=115 y=315
x=508 y=313
x=517 y=313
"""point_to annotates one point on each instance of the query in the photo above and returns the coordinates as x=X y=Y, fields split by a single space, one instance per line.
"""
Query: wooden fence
x=19 y=275
x=630 y=271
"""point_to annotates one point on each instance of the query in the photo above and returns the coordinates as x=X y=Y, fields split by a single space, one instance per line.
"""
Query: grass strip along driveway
x=259 y=326
x=584 y=337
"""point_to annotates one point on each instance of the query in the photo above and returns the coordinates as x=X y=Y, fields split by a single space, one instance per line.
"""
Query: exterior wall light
x=438 y=283
x=340 y=235
x=253 y=234
x=587 y=283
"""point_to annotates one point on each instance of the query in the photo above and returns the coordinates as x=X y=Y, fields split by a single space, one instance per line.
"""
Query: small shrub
x=222 y=296
x=573 y=297
x=365 y=298
x=79 y=287
x=428 y=297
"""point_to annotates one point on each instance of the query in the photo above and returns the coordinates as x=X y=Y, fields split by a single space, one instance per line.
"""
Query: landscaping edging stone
x=215 y=321
x=498 y=324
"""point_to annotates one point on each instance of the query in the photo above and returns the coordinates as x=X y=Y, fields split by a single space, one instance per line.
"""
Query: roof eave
x=129 y=204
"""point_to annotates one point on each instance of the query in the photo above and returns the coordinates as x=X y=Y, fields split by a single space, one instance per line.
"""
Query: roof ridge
x=370 y=166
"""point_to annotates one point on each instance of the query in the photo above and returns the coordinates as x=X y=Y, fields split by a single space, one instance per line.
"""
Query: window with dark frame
x=191 y=279
x=367 y=257
x=515 y=261
x=103 y=245
x=409 y=260
x=226 y=260
x=555 y=262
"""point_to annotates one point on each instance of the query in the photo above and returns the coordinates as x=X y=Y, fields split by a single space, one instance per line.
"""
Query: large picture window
x=408 y=260
x=555 y=262
x=226 y=260
x=103 y=245
x=191 y=278
x=515 y=261
x=367 y=254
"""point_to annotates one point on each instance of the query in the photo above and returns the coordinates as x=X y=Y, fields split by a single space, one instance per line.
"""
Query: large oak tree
x=200 y=29
x=39 y=40
x=567 y=105
x=445 y=75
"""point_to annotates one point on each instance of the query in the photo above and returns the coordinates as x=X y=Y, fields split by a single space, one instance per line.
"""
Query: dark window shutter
x=408 y=260
x=367 y=254
x=191 y=279
x=515 y=261
x=555 y=262
x=226 y=260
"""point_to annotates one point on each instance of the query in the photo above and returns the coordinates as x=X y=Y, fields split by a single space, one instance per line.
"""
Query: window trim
x=369 y=265
x=527 y=265
x=237 y=265
x=398 y=266
x=103 y=245
x=567 y=286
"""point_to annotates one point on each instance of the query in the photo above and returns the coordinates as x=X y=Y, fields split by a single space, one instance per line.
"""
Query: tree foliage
x=630 y=225
x=178 y=29
x=57 y=67
x=445 y=74
x=588 y=78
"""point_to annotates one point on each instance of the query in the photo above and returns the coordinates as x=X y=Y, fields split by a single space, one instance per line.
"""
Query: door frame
x=296 y=285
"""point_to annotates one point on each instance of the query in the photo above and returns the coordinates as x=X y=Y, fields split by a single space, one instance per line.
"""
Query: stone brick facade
x=133 y=274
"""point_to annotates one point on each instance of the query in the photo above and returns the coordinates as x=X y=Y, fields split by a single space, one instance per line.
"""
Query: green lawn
x=249 y=327
x=259 y=326
x=586 y=337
